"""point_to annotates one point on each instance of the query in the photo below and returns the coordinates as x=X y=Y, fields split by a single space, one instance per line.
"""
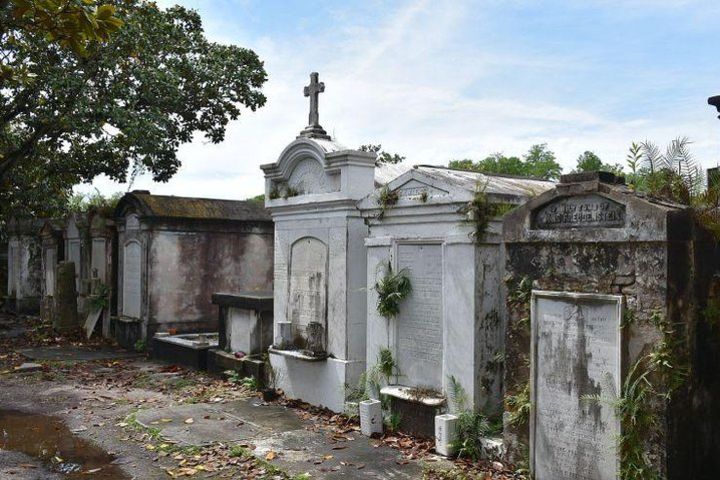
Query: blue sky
x=437 y=80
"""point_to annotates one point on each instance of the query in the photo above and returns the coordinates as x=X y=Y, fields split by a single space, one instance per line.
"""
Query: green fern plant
x=386 y=199
x=637 y=422
x=519 y=406
x=392 y=289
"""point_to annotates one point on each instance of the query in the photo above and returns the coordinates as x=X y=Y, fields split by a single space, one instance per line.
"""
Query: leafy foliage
x=519 y=406
x=480 y=211
x=96 y=201
x=538 y=162
x=386 y=199
x=392 y=289
x=70 y=24
x=472 y=426
x=383 y=157
x=124 y=105
x=590 y=162
x=637 y=422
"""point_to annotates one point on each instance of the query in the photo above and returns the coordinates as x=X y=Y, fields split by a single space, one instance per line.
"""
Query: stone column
x=66 y=317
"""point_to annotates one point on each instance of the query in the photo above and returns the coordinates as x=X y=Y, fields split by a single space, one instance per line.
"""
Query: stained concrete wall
x=186 y=268
x=184 y=262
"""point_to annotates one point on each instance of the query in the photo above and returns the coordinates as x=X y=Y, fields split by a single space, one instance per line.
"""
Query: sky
x=442 y=80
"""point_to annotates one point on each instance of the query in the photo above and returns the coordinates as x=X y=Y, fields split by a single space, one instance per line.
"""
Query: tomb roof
x=493 y=183
x=191 y=208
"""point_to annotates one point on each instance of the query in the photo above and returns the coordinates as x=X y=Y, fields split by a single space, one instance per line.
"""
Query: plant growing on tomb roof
x=386 y=199
x=481 y=210
x=392 y=289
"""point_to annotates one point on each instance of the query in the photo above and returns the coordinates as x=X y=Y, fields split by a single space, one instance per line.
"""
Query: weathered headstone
x=576 y=353
x=66 y=314
x=308 y=292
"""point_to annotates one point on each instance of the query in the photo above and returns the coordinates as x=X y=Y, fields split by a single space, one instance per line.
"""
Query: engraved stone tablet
x=414 y=190
x=132 y=280
x=580 y=212
x=308 y=285
x=576 y=352
x=419 y=334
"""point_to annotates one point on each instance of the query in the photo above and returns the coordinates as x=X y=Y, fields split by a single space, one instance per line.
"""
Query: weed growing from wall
x=386 y=199
x=392 y=289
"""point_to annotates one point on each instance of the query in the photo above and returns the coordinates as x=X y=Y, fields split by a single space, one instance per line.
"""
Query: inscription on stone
x=414 y=190
x=308 y=284
x=419 y=333
x=580 y=212
x=132 y=280
x=576 y=353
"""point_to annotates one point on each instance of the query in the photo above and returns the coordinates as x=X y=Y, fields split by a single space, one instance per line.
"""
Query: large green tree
x=538 y=162
x=589 y=162
x=118 y=103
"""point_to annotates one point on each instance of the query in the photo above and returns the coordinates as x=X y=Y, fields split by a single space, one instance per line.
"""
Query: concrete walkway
x=298 y=446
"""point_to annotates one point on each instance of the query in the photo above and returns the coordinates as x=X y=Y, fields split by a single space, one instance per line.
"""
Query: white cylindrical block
x=370 y=417
x=446 y=436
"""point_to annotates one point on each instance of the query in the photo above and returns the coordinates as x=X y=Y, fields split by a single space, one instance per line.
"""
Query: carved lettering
x=580 y=212
x=419 y=325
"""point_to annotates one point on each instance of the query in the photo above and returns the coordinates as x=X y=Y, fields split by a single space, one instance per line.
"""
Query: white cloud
x=407 y=82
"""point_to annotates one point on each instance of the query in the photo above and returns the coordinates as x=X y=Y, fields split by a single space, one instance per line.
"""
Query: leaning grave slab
x=450 y=325
x=602 y=282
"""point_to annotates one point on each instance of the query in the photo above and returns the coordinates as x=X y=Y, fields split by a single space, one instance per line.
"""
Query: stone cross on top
x=314 y=130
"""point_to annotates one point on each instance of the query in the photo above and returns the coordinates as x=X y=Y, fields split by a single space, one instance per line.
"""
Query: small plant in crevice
x=518 y=406
x=392 y=289
x=392 y=421
x=386 y=199
x=140 y=346
x=374 y=378
x=480 y=210
x=274 y=192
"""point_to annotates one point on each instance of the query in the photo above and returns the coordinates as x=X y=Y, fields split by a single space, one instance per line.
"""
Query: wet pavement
x=49 y=440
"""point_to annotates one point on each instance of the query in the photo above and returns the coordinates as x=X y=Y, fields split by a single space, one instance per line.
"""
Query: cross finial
x=314 y=130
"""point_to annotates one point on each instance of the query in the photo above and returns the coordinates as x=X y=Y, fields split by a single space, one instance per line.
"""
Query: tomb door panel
x=97 y=261
x=50 y=262
x=419 y=331
x=132 y=279
x=307 y=299
x=74 y=256
x=13 y=269
x=576 y=352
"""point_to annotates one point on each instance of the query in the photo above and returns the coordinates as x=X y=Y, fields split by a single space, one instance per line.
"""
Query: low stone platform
x=189 y=349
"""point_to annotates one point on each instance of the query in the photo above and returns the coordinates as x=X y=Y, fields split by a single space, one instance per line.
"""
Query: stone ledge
x=403 y=393
x=298 y=355
x=258 y=301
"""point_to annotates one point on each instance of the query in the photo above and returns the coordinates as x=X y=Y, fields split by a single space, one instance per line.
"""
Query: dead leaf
x=189 y=421
x=270 y=456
